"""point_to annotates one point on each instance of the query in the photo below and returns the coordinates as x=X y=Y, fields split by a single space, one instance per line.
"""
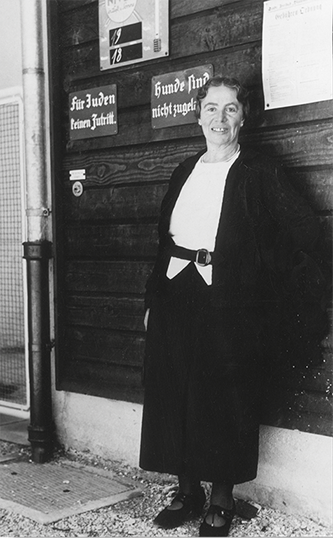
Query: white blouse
x=196 y=215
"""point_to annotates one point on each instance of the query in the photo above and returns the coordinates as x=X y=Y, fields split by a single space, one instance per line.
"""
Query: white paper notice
x=297 y=52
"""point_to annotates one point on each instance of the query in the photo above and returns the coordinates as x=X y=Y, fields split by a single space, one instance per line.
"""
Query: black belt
x=202 y=256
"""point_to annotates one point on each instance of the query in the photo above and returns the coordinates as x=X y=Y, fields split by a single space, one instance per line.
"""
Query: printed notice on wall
x=132 y=31
x=93 y=112
x=297 y=52
x=173 y=96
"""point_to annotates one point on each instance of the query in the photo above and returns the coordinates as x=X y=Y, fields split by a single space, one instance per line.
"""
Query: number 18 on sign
x=132 y=31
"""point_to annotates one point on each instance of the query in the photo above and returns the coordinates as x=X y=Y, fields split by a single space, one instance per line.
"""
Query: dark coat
x=265 y=282
x=266 y=250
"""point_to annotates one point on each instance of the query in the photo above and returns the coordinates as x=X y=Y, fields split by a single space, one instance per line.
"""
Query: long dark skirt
x=202 y=367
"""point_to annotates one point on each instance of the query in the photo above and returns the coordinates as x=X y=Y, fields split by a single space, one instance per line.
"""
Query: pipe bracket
x=33 y=250
x=40 y=212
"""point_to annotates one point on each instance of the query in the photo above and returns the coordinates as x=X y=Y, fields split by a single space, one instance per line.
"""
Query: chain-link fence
x=13 y=383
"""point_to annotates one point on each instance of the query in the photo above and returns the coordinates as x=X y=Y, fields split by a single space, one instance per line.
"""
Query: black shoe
x=192 y=508
x=222 y=530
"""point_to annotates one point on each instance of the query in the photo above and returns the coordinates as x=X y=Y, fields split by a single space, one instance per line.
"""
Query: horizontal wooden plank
x=156 y=163
x=178 y=8
x=209 y=30
x=278 y=117
x=107 y=276
x=261 y=118
x=300 y=401
x=321 y=382
x=69 y=5
x=315 y=403
x=183 y=8
x=114 y=347
x=306 y=410
x=134 y=83
x=125 y=313
x=316 y=186
x=309 y=144
x=131 y=202
x=224 y=27
x=108 y=312
x=111 y=240
x=104 y=380
x=305 y=422
x=312 y=379
x=139 y=164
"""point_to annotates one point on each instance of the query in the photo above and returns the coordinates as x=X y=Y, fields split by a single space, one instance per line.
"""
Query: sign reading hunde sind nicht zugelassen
x=173 y=96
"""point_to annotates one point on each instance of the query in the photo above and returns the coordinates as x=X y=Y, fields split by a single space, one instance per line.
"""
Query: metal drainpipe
x=37 y=248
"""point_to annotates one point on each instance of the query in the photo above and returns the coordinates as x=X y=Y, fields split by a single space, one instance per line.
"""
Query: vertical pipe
x=37 y=255
x=37 y=248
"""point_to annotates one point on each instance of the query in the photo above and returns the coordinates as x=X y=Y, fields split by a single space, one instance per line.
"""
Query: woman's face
x=221 y=116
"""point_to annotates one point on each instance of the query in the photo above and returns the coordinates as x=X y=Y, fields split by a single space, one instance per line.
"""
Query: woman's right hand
x=145 y=321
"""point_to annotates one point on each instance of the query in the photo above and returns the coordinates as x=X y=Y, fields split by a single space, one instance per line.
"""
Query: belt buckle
x=203 y=257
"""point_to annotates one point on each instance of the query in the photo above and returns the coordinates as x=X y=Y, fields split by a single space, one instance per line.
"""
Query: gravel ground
x=134 y=517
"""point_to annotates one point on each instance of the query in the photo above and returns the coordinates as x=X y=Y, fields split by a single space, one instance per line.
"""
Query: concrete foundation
x=295 y=468
x=107 y=428
x=294 y=475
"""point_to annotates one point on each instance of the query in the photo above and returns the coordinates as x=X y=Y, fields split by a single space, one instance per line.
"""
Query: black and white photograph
x=166 y=205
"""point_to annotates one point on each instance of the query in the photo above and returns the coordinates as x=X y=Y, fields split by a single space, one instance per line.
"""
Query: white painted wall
x=10 y=44
x=295 y=468
x=109 y=428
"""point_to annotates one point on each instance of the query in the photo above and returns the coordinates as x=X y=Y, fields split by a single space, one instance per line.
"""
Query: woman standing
x=229 y=223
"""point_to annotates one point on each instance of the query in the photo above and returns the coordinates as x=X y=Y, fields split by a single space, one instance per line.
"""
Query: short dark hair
x=218 y=80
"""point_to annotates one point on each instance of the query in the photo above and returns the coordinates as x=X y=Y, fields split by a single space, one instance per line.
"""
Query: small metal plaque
x=77 y=188
x=77 y=175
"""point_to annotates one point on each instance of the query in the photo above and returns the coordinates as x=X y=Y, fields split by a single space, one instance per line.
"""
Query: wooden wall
x=106 y=239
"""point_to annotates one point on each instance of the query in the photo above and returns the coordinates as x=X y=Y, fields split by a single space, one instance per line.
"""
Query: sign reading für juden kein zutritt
x=93 y=112
x=173 y=96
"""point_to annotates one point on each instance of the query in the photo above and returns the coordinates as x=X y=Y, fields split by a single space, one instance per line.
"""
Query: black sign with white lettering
x=93 y=112
x=173 y=96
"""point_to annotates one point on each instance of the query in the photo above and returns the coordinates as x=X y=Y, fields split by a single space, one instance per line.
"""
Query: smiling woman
x=221 y=119
x=230 y=225
x=222 y=107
